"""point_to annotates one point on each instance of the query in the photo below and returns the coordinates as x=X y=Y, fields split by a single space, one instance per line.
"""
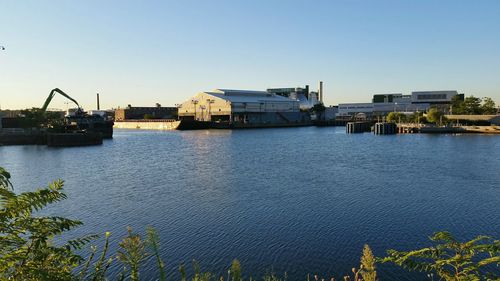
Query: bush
x=451 y=259
x=26 y=248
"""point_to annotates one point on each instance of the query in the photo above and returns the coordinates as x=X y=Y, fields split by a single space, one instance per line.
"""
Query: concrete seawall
x=147 y=124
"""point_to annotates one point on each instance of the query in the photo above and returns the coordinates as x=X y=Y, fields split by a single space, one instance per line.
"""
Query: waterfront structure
x=349 y=110
x=331 y=112
x=306 y=99
x=243 y=107
x=156 y=112
x=382 y=104
x=434 y=97
x=389 y=98
x=10 y=113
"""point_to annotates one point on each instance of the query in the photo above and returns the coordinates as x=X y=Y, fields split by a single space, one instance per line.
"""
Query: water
x=300 y=200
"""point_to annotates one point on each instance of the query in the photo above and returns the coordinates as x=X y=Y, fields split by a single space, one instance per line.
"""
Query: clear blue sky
x=142 y=52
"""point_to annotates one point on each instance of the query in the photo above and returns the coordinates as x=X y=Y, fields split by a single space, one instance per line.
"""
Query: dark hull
x=103 y=127
x=74 y=139
x=193 y=125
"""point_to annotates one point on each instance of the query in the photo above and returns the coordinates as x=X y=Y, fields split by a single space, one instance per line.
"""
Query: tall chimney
x=98 y=106
x=321 y=91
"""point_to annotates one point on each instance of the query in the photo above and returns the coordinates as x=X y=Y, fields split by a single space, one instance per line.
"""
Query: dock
x=358 y=127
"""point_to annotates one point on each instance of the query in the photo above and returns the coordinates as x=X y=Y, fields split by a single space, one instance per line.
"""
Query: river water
x=300 y=200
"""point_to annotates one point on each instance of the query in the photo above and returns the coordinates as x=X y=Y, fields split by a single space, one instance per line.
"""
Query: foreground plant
x=153 y=243
x=28 y=253
x=132 y=253
x=26 y=248
x=367 y=268
x=451 y=259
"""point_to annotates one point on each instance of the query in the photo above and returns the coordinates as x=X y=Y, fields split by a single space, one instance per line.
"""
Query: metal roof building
x=241 y=107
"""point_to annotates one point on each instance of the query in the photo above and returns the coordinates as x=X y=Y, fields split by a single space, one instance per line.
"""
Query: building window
x=431 y=97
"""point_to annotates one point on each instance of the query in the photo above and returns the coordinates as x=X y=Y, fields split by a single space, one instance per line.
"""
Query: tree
x=36 y=118
x=472 y=105
x=451 y=259
x=417 y=117
x=396 y=117
x=391 y=117
x=26 y=248
x=457 y=105
x=318 y=109
x=488 y=106
x=434 y=115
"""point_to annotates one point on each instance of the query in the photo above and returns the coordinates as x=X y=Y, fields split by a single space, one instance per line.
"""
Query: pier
x=385 y=128
x=358 y=127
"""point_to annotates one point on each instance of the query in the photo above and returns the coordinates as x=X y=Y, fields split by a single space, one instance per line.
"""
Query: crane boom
x=52 y=94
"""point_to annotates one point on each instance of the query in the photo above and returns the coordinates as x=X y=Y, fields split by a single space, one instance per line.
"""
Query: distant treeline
x=472 y=105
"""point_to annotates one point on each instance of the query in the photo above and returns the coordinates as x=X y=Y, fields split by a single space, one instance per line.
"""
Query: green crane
x=52 y=94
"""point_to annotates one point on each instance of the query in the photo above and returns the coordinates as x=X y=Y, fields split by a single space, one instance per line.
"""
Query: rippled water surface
x=300 y=200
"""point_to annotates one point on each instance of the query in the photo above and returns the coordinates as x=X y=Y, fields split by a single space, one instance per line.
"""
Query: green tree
x=457 y=105
x=36 y=118
x=391 y=117
x=435 y=115
x=488 y=106
x=26 y=248
x=451 y=259
x=472 y=105
x=396 y=117
x=319 y=110
x=417 y=117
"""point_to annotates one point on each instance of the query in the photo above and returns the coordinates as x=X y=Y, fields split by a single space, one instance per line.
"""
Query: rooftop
x=247 y=96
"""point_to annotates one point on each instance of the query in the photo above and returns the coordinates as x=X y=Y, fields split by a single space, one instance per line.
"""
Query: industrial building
x=306 y=99
x=242 y=108
x=434 y=97
x=351 y=110
x=382 y=104
x=156 y=112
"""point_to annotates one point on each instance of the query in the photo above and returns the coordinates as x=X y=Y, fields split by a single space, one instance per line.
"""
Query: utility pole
x=194 y=102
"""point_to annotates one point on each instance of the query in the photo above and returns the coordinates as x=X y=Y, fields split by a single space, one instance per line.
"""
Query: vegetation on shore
x=473 y=105
x=469 y=106
x=27 y=250
x=36 y=118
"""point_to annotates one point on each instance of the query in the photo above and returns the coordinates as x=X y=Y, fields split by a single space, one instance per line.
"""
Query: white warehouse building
x=242 y=108
x=384 y=103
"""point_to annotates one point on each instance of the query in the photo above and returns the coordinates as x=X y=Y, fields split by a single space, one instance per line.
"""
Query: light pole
x=210 y=101
x=194 y=102
x=202 y=107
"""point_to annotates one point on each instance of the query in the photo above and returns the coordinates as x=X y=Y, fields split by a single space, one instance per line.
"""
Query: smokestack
x=321 y=91
x=98 y=106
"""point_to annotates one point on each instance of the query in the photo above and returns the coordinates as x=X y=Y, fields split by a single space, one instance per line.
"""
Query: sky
x=144 y=52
